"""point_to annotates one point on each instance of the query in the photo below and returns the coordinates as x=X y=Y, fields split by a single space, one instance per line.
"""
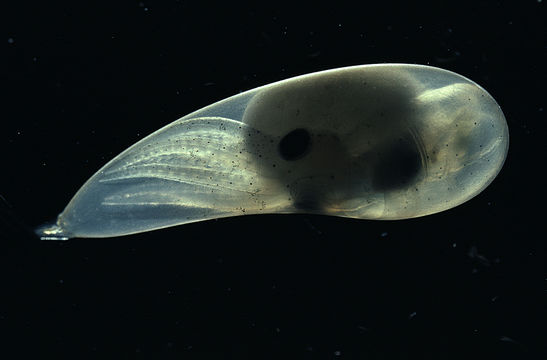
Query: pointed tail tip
x=52 y=232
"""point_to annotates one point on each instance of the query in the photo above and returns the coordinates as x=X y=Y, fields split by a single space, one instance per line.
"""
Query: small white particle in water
x=277 y=329
x=384 y=234
x=337 y=353
x=10 y=41
x=507 y=339
x=61 y=281
x=412 y=315
x=494 y=298
x=454 y=245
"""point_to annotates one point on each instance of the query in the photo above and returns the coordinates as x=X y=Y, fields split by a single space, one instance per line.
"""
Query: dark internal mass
x=397 y=167
x=295 y=144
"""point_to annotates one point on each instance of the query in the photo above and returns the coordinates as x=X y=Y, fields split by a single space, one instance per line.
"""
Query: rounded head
x=385 y=141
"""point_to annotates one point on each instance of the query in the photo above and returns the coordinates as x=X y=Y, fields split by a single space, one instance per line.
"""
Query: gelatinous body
x=388 y=141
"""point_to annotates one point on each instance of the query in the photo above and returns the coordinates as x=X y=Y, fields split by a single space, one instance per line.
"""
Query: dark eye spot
x=295 y=144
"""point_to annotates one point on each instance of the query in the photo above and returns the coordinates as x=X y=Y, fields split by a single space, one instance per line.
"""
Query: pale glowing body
x=389 y=141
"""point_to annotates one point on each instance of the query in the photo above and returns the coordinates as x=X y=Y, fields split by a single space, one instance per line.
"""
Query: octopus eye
x=295 y=145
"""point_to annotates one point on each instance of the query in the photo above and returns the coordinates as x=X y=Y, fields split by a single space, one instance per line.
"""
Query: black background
x=84 y=80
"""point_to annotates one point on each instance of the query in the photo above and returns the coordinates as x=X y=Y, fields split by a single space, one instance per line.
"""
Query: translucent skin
x=388 y=141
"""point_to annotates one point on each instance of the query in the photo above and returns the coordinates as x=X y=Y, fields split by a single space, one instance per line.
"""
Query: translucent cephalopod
x=386 y=141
